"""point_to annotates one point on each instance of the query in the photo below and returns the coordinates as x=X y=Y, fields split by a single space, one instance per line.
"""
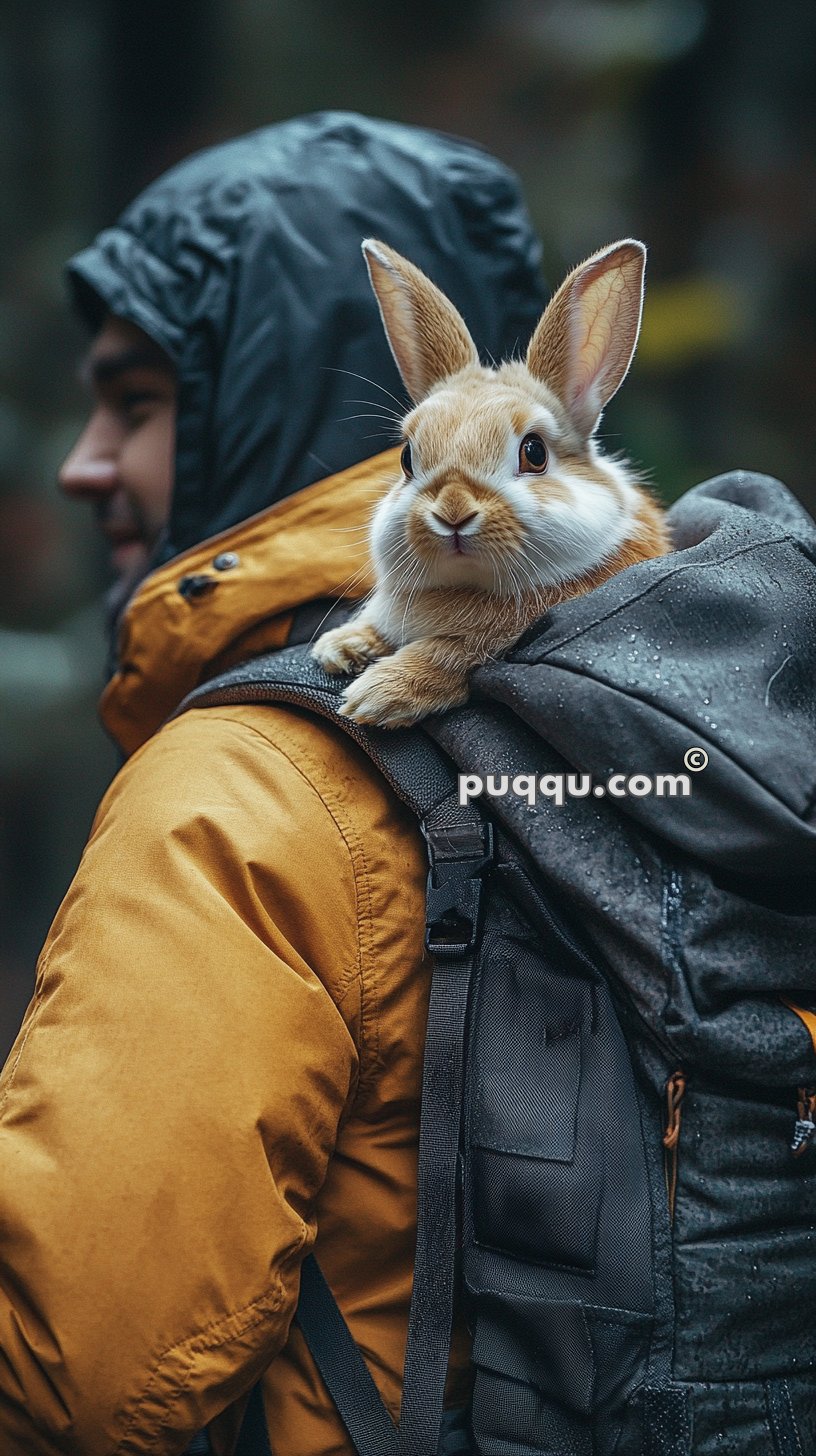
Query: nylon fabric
x=781 y=1419
x=455 y=1439
x=422 y=781
x=175 y=1038
x=431 y=1316
x=342 y=1367
x=667 y=1422
x=254 y=1437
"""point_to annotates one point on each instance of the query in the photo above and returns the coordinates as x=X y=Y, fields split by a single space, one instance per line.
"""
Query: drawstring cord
x=675 y=1091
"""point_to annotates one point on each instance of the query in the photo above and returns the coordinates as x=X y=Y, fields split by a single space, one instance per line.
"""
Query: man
x=222 y=1058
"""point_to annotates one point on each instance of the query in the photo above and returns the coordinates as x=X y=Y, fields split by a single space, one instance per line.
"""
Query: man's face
x=122 y=462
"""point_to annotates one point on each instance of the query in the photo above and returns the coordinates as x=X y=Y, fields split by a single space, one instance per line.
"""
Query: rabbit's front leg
x=354 y=645
x=423 y=677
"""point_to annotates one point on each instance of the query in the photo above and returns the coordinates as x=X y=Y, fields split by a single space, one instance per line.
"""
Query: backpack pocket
x=557 y=1215
x=537 y=1178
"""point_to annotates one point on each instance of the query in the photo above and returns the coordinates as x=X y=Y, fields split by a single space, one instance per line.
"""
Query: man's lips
x=118 y=521
x=121 y=533
x=125 y=546
x=124 y=532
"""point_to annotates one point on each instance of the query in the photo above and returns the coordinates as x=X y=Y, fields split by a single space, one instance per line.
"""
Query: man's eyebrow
x=105 y=367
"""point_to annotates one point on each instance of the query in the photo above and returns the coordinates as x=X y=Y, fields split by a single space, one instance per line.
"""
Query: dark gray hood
x=244 y=264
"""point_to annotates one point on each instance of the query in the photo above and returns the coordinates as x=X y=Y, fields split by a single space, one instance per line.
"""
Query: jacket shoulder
x=279 y=793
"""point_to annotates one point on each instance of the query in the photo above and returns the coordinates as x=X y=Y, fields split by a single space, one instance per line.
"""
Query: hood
x=713 y=647
x=244 y=265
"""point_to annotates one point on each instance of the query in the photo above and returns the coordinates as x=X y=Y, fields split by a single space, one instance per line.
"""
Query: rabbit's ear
x=428 y=338
x=585 y=339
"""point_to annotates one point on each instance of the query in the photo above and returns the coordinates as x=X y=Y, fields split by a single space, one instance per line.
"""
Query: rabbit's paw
x=388 y=695
x=349 y=648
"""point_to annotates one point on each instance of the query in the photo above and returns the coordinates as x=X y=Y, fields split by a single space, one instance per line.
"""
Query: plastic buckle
x=454 y=888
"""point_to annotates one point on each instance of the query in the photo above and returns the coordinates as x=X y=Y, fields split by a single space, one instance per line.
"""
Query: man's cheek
x=147 y=474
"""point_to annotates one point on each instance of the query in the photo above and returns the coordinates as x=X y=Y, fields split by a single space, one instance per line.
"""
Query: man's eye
x=136 y=406
x=136 y=398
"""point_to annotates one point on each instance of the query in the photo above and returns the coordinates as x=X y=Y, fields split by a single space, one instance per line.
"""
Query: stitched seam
x=213 y=1335
x=35 y=1015
x=322 y=799
x=361 y=879
x=364 y=919
x=773 y=1421
x=793 y=1425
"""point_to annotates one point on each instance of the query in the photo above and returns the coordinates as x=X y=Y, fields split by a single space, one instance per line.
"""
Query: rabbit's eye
x=533 y=454
x=405 y=460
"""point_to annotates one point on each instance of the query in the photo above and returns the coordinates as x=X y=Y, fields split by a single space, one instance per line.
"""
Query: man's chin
x=130 y=560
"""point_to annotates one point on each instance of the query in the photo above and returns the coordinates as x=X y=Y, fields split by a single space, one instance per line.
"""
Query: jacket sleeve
x=171 y=1102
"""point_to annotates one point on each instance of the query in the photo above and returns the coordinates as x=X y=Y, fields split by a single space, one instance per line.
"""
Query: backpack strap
x=416 y=769
x=340 y=1362
x=253 y=1439
x=460 y=850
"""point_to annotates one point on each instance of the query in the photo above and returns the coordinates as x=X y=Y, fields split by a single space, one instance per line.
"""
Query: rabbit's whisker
x=405 y=583
x=411 y=595
x=378 y=405
x=358 y=530
x=406 y=551
x=531 y=567
x=326 y=614
x=385 y=420
x=343 y=588
x=353 y=375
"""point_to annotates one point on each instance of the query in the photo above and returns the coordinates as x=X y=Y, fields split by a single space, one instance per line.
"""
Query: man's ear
x=583 y=344
x=428 y=337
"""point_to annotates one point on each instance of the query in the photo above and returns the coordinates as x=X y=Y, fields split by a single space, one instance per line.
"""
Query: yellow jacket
x=222 y=1058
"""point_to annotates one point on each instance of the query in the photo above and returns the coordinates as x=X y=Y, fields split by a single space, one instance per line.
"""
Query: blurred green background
x=688 y=124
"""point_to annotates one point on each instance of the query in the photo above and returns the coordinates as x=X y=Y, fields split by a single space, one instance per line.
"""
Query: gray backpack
x=616 y=1176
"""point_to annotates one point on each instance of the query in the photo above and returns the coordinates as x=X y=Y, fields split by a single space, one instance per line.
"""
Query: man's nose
x=90 y=469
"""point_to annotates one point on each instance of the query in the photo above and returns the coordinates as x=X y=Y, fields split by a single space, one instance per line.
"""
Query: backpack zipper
x=675 y=1092
x=805 y=1125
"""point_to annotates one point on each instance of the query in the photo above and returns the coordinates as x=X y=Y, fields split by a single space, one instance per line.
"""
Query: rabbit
x=505 y=504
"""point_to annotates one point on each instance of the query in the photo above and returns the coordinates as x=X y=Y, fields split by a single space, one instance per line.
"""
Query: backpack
x=616 y=1172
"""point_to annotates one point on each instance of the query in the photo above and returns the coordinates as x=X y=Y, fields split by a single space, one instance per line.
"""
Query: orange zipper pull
x=675 y=1091
x=805 y=1127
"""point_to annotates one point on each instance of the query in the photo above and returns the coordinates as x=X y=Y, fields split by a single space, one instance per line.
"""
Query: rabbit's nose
x=457 y=525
